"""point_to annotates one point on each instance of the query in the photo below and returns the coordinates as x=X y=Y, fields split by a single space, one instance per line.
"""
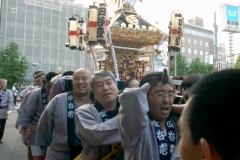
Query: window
x=183 y=49
x=189 y=40
x=200 y=43
x=201 y=53
x=194 y=33
x=195 y=51
x=189 y=60
x=195 y=42
x=199 y=34
x=189 y=50
x=189 y=31
x=183 y=40
x=206 y=53
x=206 y=44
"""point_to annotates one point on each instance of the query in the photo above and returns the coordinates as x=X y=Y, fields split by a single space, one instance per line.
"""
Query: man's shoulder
x=86 y=108
x=8 y=91
x=61 y=95
x=36 y=91
x=60 y=98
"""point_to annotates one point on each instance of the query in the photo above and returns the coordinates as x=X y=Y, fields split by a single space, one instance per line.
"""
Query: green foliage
x=237 y=64
x=182 y=69
x=196 y=66
x=12 y=66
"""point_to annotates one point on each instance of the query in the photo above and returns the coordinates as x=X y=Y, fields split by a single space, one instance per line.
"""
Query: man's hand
x=17 y=126
x=25 y=136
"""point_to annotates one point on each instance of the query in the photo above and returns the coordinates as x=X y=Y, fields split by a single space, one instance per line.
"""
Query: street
x=12 y=148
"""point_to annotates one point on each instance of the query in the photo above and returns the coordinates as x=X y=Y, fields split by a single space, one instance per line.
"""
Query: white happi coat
x=8 y=102
x=136 y=129
x=31 y=112
x=52 y=131
x=96 y=136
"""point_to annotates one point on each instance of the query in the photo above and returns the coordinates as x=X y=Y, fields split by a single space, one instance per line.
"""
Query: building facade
x=197 y=42
x=40 y=28
x=222 y=63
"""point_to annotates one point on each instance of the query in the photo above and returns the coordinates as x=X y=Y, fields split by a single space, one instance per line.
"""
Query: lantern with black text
x=82 y=33
x=92 y=24
x=73 y=33
x=176 y=32
x=103 y=22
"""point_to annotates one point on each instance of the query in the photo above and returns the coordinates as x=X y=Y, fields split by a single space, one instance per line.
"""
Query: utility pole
x=175 y=63
x=231 y=49
x=215 y=60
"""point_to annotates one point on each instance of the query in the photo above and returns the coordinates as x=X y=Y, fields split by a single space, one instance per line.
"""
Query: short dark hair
x=126 y=83
x=67 y=73
x=207 y=116
x=50 y=75
x=189 y=81
x=155 y=77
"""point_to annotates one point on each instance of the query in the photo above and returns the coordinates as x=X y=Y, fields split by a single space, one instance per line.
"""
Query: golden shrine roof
x=131 y=28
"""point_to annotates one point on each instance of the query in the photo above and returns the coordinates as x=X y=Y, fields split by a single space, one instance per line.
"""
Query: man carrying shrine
x=147 y=128
x=56 y=128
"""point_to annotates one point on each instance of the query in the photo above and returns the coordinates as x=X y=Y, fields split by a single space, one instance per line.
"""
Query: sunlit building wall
x=39 y=27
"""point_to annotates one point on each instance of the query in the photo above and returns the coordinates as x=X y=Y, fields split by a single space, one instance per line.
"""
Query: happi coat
x=96 y=136
x=7 y=104
x=136 y=129
x=30 y=114
x=58 y=87
x=23 y=104
x=52 y=130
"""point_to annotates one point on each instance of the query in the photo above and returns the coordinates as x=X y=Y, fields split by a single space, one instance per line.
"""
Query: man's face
x=39 y=80
x=3 y=84
x=81 y=85
x=160 y=108
x=133 y=84
x=105 y=89
x=48 y=87
x=188 y=150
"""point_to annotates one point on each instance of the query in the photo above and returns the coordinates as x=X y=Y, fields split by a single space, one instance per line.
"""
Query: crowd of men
x=82 y=116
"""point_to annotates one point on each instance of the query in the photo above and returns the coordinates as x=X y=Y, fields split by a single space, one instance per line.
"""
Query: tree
x=181 y=65
x=12 y=66
x=196 y=66
x=237 y=64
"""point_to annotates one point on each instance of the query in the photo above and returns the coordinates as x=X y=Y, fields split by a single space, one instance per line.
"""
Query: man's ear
x=208 y=150
x=205 y=149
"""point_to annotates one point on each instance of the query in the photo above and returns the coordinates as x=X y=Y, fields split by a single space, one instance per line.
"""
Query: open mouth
x=107 y=94
x=165 y=110
x=80 y=87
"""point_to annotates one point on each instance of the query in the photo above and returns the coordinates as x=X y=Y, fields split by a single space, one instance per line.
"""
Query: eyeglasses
x=162 y=95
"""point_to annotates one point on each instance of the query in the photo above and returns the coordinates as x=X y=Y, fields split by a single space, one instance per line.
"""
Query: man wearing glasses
x=147 y=128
